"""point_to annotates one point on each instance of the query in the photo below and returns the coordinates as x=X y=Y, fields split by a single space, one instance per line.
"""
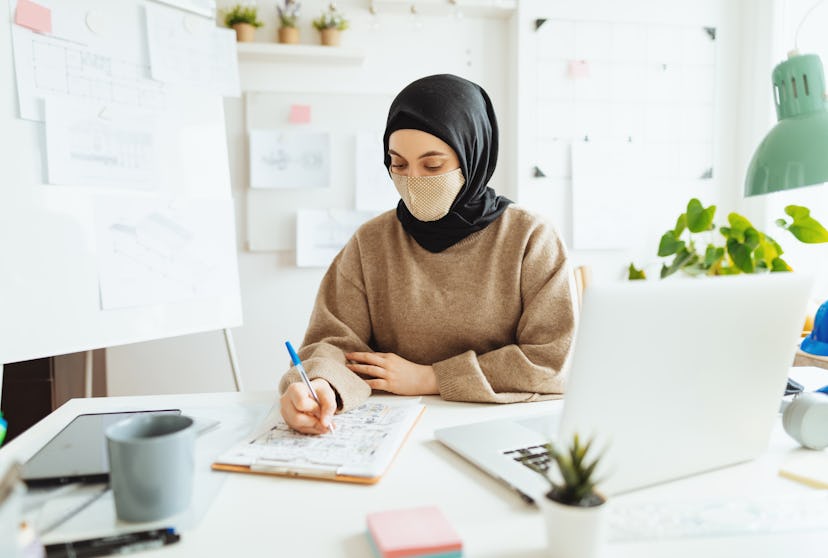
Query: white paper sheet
x=152 y=251
x=206 y=8
x=288 y=159
x=91 y=144
x=46 y=66
x=191 y=50
x=374 y=189
x=604 y=187
x=321 y=234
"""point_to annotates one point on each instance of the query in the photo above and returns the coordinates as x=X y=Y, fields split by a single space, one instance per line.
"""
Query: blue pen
x=298 y=364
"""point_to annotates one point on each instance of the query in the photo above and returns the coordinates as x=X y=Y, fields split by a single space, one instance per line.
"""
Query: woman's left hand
x=392 y=373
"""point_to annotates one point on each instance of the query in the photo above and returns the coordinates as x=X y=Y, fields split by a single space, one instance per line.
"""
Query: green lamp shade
x=795 y=151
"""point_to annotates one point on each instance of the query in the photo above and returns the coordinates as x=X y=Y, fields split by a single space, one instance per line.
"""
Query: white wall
x=277 y=297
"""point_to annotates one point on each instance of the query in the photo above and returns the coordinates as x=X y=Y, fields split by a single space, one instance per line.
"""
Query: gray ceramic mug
x=151 y=466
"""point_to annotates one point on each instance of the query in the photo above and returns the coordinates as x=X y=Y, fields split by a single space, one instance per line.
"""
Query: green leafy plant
x=242 y=13
x=288 y=13
x=577 y=484
x=331 y=18
x=745 y=248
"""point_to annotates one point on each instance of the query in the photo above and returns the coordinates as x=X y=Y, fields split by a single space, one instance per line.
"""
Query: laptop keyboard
x=532 y=456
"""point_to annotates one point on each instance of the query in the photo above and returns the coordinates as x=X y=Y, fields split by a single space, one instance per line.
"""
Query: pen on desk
x=115 y=544
x=298 y=364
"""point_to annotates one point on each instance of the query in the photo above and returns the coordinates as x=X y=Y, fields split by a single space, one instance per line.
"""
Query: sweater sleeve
x=532 y=368
x=339 y=323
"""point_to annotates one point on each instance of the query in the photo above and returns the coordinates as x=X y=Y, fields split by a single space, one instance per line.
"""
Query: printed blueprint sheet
x=363 y=444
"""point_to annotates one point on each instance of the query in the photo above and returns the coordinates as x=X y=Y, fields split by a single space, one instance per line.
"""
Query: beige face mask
x=429 y=198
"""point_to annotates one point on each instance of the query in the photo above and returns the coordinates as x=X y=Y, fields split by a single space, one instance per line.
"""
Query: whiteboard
x=60 y=243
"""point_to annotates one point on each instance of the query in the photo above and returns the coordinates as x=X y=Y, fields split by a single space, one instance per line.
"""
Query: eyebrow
x=423 y=156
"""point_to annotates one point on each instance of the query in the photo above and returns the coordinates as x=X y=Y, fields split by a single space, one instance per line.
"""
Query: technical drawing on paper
x=117 y=150
x=52 y=67
x=322 y=233
x=361 y=434
x=153 y=252
x=208 y=63
x=282 y=159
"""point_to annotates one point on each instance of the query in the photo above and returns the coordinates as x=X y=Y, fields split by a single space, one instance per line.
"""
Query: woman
x=456 y=293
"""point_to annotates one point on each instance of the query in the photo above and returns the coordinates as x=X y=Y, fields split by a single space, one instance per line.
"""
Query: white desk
x=257 y=515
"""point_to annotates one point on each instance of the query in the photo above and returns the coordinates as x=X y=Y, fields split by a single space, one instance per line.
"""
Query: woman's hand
x=301 y=411
x=392 y=373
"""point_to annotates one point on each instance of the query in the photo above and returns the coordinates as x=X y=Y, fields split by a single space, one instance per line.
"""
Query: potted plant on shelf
x=329 y=23
x=574 y=511
x=288 y=17
x=244 y=18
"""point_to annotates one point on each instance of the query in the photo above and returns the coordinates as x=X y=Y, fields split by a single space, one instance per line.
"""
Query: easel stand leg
x=234 y=363
x=87 y=376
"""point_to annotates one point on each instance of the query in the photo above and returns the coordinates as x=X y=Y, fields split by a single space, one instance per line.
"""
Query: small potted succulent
x=244 y=18
x=574 y=511
x=288 y=12
x=329 y=23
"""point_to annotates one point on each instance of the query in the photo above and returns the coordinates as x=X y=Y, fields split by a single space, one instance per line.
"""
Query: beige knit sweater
x=493 y=313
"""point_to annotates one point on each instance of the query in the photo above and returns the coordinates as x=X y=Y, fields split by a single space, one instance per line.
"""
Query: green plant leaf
x=738 y=226
x=726 y=232
x=767 y=251
x=797 y=212
x=669 y=244
x=752 y=238
x=804 y=227
x=778 y=264
x=741 y=255
x=242 y=14
x=699 y=218
x=695 y=269
x=634 y=274
x=682 y=257
x=681 y=224
x=713 y=255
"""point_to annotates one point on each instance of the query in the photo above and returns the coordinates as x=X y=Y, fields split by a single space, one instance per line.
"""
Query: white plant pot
x=573 y=531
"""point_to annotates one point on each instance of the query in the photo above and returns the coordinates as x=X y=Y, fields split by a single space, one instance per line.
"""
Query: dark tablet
x=78 y=452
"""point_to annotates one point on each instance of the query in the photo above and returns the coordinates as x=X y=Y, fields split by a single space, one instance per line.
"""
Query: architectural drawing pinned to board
x=288 y=159
x=94 y=145
x=321 y=234
x=152 y=251
x=191 y=50
x=47 y=66
x=374 y=189
x=604 y=188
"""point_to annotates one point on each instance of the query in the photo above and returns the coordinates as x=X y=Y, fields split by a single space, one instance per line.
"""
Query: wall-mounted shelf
x=469 y=8
x=276 y=52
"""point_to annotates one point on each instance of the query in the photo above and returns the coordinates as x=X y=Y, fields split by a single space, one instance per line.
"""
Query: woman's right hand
x=301 y=411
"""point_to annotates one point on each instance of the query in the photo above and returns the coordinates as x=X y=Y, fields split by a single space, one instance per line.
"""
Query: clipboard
x=366 y=441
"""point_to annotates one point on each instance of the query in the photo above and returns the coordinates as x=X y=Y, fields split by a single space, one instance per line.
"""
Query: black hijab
x=460 y=113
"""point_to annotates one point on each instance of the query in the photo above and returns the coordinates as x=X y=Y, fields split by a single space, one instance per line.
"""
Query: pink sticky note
x=300 y=114
x=409 y=532
x=578 y=69
x=33 y=16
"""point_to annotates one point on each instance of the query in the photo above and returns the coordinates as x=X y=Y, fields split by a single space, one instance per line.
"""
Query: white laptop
x=671 y=378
